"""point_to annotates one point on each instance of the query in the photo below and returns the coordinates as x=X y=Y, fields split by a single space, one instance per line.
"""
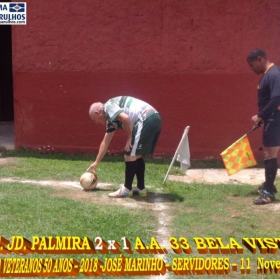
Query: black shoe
x=260 y=190
x=265 y=198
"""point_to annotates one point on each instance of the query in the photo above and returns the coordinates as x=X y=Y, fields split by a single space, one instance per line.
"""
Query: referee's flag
x=238 y=156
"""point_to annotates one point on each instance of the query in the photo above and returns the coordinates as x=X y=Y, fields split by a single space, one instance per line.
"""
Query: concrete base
x=7 y=135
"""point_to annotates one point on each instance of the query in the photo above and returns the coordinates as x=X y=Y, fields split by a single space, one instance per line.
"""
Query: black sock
x=130 y=171
x=271 y=167
x=140 y=174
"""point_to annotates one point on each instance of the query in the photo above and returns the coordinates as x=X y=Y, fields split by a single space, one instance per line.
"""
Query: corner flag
x=238 y=156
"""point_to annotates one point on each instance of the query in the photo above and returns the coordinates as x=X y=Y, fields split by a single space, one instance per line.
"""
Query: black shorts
x=271 y=131
x=145 y=134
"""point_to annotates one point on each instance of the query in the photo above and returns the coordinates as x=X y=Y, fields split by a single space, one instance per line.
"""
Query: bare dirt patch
x=4 y=161
x=252 y=176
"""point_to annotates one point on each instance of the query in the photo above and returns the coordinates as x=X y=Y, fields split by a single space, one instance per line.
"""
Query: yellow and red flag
x=238 y=156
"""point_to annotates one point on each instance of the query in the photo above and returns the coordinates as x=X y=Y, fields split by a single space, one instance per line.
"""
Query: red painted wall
x=187 y=58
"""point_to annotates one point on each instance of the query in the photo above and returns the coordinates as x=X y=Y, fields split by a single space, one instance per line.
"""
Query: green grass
x=34 y=211
x=40 y=211
x=193 y=210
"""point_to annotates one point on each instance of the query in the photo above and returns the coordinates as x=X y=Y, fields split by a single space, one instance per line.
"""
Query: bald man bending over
x=142 y=124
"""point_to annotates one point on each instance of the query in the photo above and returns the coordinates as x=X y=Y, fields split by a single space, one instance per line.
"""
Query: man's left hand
x=128 y=145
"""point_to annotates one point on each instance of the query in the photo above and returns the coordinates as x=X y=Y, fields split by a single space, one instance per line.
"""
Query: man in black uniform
x=269 y=114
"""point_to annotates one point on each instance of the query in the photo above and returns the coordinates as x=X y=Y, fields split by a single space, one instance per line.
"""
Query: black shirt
x=269 y=92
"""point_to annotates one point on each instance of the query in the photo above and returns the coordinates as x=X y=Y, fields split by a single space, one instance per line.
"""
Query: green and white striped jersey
x=133 y=107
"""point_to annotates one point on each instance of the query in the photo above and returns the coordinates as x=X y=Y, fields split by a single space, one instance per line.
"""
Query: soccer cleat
x=260 y=190
x=139 y=192
x=265 y=198
x=120 y=193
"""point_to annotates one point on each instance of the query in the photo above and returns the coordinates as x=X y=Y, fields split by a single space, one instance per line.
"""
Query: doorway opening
x=7 y=139
x=6 y=75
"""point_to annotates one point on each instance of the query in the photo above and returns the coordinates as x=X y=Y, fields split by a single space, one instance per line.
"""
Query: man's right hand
x=93 y=166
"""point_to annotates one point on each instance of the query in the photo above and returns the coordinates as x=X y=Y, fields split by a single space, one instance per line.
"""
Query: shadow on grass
x=155 y=197
x=152 y=197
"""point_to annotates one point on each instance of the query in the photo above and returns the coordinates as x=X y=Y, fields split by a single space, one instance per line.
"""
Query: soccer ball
x=88 y=181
